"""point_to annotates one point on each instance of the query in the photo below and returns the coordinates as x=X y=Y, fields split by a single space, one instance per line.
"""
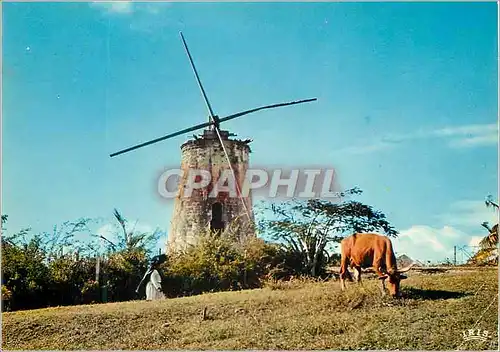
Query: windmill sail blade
x=198 y=79
x=206 y=124
x=194 y=128
x=233 y=116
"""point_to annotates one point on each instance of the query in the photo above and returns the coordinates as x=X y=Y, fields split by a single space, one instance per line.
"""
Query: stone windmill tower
x=217 y=154
x=205 y=207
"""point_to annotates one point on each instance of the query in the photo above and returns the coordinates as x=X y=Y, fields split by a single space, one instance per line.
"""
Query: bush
x=6 y=296
x=122 y=272
x=25 y=274
x=34 y=277
x=68 y=276
x=218 y=264
x=90 y=292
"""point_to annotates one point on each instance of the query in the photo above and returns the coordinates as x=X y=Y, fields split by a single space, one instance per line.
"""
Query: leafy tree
x=24 y=273
x=54 y=244
x=63 y=239
x=37 y=272
x=14 y=238
x=306 y=229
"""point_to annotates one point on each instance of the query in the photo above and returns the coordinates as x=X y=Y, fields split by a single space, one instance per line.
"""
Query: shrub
x=25 y=274
x=218 y=264
x=6 y=293
x=68 y=276
x=90 y=292
x=122 y=272
x=6 y=296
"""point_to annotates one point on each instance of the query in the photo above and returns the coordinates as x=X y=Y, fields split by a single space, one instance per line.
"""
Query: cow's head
x=394 y=278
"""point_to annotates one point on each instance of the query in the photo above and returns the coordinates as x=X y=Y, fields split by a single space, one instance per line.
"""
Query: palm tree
x=133 y=240
x=488 y=252
x=490 y=203
x=492 y=239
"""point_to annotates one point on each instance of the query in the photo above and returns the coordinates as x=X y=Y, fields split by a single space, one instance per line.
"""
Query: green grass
x=300 y=315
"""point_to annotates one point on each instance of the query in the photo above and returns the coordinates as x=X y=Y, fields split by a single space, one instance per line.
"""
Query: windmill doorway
x=216 y=223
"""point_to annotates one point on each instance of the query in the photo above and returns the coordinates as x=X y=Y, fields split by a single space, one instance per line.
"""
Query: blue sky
x=406 y=110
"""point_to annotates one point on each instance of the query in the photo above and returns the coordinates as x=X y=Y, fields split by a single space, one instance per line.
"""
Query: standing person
x=153 y=287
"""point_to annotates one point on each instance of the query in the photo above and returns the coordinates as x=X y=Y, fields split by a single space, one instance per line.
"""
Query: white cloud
x=426 y=243
x=461 y=227
x=427 y=236
x=464 y=136
x=154 y=8
x=118 y=7
x=146 y=17
x=129 y=7
x=477 y=141
x=470 y=135
x=466 y=130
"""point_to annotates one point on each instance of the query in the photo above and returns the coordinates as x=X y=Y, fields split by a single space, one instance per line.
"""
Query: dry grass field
x=297 y=315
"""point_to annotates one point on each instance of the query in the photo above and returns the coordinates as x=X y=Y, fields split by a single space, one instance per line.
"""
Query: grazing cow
x=364 y=250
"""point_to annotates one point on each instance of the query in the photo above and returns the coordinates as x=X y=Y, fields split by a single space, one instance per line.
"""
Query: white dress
x=153 y=287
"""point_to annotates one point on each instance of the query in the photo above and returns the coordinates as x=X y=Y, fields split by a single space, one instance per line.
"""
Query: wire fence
x=463 y=253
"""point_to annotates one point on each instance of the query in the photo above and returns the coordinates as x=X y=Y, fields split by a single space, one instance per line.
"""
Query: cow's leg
x=378 y=266
x=357 y=274
x=342 y=281
x=344 y=272
x=382 y=287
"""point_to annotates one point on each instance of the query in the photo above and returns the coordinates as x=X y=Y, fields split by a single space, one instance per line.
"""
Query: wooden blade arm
x=233 y=116
x=194 y=128
x=209 y=107
x=215 y=121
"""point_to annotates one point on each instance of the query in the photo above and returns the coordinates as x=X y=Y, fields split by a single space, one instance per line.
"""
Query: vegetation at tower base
x=217 y=263
x=307 y=230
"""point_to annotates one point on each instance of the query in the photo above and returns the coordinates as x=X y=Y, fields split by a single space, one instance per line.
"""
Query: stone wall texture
x=192 y=215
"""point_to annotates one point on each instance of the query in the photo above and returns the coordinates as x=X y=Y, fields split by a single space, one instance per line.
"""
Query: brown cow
x=364 y=250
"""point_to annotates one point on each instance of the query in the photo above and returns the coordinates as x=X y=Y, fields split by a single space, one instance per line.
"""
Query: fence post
x=97 y=274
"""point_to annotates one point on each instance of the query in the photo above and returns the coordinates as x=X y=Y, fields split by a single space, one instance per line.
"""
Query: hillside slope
x=436 y=310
